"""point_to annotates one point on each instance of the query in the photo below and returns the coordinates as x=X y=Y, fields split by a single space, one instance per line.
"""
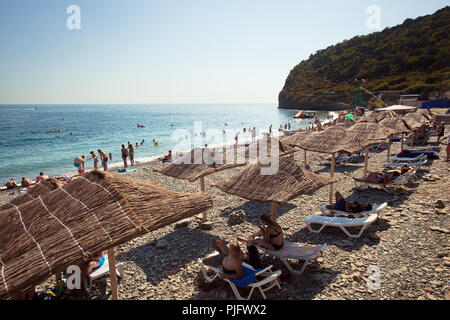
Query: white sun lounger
x=103 y=271
x=406 y=160
x=293 y=251
x=341 y=223
x=375 y=209
x=417 y=164
x=397 y=183
x=270 y=278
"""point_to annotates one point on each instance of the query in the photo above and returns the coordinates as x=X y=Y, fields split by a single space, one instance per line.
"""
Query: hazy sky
x=173 y=51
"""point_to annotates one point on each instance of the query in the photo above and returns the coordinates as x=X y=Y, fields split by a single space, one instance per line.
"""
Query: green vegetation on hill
x=412 y=57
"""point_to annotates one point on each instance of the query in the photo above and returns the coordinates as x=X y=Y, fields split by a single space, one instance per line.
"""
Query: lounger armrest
x=266 y=269
x=268 y=279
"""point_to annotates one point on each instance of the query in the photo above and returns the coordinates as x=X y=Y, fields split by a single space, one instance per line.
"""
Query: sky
x=174 y=51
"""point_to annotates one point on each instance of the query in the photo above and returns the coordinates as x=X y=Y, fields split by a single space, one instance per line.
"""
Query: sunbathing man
x=347 y=206
x=270 y=235
x=11 y=184
x=387 y=176
x=230 y=257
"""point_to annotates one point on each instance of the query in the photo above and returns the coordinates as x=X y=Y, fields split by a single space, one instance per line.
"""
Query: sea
x=35 y=138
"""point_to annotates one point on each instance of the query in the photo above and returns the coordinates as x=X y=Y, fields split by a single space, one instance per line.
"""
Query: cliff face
x=413 y=57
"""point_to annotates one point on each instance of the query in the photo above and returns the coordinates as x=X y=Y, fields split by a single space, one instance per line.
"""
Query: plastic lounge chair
x=407 y=159
x=345 y=159
x=341 y=223
x=416 y=164
x=375 y=209
x=270 y=278
x=378 y=147
x=396 y=183
x=103 y=271
x=293 y=251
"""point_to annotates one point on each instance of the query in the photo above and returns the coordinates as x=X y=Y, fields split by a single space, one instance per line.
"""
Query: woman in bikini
x=270 y=235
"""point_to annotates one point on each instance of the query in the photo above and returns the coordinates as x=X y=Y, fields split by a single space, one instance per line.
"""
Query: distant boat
x=56 y=131
x=140 y=126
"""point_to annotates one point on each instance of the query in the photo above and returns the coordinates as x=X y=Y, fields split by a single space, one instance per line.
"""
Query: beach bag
x=253 y=257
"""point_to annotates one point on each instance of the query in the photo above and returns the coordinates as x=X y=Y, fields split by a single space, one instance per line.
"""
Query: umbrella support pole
x=389 y=150
x=274 y=211
x=366 y=161
x=113 y=274
x=333 y=158
x=305 y=158
x=401 y=147
x=202 y=189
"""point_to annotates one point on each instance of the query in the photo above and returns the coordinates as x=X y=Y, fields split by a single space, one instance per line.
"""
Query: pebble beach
x=408 y=244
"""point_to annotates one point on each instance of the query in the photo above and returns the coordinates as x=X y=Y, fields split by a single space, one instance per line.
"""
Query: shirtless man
x=94 y=156
x=231 y=257
x=104 y=159
x=124 y=156
x=131 y=153
x=11 y=184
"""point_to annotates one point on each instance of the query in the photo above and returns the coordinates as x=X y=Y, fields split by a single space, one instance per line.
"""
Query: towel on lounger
x=249 y=277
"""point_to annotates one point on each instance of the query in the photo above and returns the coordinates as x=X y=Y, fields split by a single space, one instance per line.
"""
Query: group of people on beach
x=26 y=182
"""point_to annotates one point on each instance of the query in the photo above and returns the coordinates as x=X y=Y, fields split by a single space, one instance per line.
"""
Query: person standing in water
x=131 y=153
x=124 y=156
x=94 y=156
x=254 y=134
x=104 y=159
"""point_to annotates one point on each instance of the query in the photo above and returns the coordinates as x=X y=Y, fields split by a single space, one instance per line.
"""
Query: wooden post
x=401 y=147
x=389 y=149
x=333 y=158
x=274 y=211
x=202 y=189
x=305 y=158
x=113 y=274
x=366 y=161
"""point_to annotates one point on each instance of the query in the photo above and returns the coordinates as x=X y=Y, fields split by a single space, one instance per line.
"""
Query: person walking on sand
x=131 y=153
x=104 y=159
x=124 y=156
x=94 y=156
x=79 y=163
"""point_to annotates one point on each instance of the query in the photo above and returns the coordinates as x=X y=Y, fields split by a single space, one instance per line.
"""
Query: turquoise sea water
x=27 y=147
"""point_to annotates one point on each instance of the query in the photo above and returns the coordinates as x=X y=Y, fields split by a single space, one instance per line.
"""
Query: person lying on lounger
x=270 y=235
x=230 y=257
x=347 y=206
x=386 y=176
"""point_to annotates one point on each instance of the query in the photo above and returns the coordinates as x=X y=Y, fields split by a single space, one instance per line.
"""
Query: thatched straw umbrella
x=199 y=163
x=288 y=182
x=371 y=133
x=95 y=212
x=399 y=125
x=330 y=141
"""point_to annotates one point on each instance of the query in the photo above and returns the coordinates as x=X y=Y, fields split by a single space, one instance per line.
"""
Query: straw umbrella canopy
x=399 y=125
x=371 y=133
x=95 y=212
x=288 y=182
x=332 y=140
x=199 y=163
